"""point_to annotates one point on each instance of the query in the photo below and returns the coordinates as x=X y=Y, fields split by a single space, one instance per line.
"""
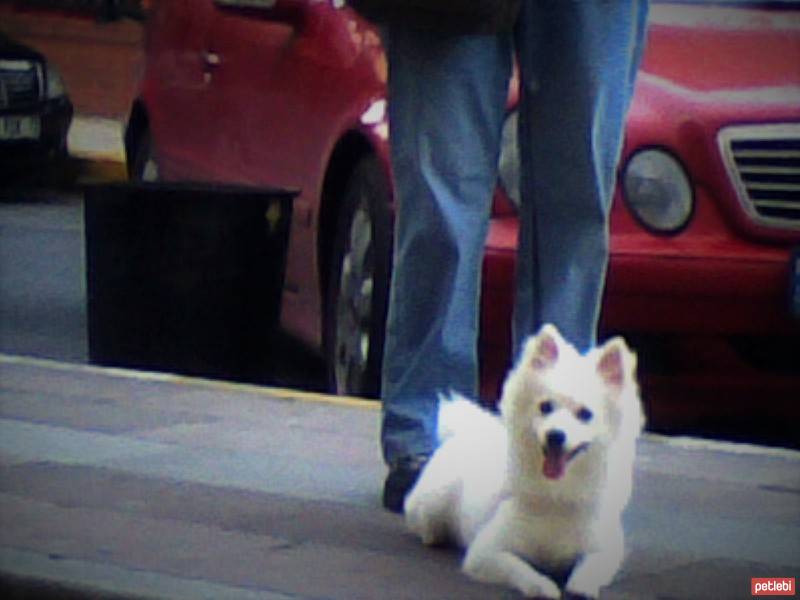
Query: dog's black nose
x=556 y=438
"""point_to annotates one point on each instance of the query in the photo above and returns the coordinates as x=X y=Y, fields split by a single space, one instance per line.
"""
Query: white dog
x=536 y=494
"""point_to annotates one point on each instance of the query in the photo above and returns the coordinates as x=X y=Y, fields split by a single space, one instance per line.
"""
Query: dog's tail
x=460 y=416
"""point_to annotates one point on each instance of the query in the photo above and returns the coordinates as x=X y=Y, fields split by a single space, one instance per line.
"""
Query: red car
x=707 y=212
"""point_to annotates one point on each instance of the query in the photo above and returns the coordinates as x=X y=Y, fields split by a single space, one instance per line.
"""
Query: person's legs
x=446 y=105
x=578 y=61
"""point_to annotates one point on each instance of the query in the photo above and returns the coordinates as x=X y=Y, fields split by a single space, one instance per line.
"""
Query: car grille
x=20 y=83
x=764 y=165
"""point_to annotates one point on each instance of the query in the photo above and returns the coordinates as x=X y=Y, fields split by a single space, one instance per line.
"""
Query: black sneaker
x=401 y=478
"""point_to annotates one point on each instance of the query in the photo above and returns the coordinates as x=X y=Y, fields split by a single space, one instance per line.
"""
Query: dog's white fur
x=488 y=488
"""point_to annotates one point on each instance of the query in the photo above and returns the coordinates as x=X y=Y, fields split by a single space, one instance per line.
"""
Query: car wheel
x=144 y=166
x=359 y=284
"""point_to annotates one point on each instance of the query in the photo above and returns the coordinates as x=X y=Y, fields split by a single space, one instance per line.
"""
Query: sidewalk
x=121 y=484
x=97 y=143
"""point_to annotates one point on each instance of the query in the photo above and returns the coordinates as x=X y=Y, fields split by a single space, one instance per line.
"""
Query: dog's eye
x=584 y=414
x=546 y=407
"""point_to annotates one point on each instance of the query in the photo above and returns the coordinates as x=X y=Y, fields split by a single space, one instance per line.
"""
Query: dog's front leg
x=594 y=571
x=490 y=559
x=506 y=568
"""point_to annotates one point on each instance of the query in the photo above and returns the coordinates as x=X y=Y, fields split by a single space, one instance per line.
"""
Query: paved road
x=42 y=282
x=43 y=287
x=163 y=487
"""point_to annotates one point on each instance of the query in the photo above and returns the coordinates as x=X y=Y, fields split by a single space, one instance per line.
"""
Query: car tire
x=144 y=166
x=358 y=290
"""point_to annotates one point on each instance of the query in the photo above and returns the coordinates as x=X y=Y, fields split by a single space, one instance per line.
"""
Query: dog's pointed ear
x=543 y=349
x=616 y=364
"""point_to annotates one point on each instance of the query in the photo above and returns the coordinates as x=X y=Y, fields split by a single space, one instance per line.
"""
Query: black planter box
x=184 y=278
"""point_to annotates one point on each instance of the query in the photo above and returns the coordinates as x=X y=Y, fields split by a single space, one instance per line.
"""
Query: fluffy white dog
x=536 y=494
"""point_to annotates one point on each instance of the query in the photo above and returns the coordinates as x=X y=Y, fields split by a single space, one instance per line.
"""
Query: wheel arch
x=349 y=150
x=138 y=123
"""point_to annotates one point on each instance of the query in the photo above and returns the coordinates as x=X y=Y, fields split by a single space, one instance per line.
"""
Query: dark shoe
x=401 y=478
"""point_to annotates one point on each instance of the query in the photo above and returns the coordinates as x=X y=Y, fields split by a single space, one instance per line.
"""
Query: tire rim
x=354 y=305
x=150 y=169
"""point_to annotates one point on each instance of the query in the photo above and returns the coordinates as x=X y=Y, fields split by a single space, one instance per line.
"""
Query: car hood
x=711 y=48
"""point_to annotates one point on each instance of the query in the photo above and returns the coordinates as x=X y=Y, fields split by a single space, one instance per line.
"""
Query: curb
x=669 y=443
x=188 y=381
x=100 y=170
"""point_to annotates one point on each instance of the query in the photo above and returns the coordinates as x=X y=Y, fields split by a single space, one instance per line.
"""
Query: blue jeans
x=578 y=61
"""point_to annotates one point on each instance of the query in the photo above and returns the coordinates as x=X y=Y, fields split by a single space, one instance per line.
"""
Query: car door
x=179 y=67
x=292 y=78
x=276 y=88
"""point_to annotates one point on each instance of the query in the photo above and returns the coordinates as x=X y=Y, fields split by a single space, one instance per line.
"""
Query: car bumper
x=700 y=294
x=701 y=288
x=697 y=284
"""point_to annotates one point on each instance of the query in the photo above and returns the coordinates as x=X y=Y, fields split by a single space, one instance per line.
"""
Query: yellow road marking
x=184 y=380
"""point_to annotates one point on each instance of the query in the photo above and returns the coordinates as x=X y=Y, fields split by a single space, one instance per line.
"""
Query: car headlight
x=509 y=160
x=658 y=191
x=55 y=84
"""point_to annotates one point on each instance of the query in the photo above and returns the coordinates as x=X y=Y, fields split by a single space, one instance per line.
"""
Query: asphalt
x=120 y=484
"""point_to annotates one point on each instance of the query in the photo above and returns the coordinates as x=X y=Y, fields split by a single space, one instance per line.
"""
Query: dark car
x=35 y=112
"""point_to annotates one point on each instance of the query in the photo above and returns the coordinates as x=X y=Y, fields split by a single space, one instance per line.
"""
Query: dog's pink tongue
x=555 y=464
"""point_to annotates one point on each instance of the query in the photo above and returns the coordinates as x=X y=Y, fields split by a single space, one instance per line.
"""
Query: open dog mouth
x=557 y=459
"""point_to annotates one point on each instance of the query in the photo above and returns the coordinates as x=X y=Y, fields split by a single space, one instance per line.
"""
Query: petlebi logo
x=772 y=586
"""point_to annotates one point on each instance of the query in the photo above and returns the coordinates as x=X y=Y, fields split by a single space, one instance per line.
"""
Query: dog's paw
x=541 y=589
x=424 y=531
x=420 y=523
x=579 y=588
x=430 y=537
x=577 y=596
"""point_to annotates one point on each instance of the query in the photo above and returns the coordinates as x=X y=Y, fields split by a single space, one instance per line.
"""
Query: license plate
x=794 y=284
x=17 y=127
